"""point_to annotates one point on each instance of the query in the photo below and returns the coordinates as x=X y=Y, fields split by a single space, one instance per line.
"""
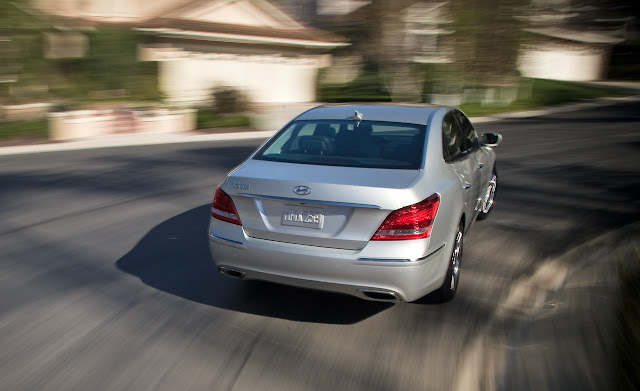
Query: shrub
x=368 y=87
x=209 y=118
x=227 y=100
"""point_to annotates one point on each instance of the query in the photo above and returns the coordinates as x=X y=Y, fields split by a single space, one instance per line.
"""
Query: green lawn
x=208 y=118
x=36 y=128
x=543 y=93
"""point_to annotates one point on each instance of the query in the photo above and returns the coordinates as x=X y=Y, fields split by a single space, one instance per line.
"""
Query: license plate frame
x=296 y=216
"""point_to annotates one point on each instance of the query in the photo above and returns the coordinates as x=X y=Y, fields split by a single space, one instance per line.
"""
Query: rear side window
x=467 y=129
x=371 y=144
x=452 y=138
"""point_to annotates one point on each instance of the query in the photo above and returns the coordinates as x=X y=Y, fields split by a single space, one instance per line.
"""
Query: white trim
x=238 y=38
x=591 y=37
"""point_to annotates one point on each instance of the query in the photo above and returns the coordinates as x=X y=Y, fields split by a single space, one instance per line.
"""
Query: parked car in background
x=368 y=200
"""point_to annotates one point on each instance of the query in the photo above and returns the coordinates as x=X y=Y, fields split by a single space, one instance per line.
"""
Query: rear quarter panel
x=439 y=177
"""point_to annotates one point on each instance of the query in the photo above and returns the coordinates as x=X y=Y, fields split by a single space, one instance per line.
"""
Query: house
x=572 y=42
x=200 y=45
x=560 y=53
x=250 y=45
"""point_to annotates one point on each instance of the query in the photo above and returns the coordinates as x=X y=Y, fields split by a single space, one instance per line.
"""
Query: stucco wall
x=570 y=65
x=79 y=124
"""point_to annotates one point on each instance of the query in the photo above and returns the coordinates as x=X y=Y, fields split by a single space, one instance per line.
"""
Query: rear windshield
x=370 y=144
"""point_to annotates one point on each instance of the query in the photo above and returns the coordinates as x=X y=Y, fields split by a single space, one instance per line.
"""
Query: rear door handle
x=467 y=185
x=480 y=165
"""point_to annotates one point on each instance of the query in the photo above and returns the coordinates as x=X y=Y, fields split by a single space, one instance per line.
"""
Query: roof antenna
x=357 y=118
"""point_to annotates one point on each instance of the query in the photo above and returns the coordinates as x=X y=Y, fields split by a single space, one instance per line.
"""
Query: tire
x=451 y=281
x=490 y=193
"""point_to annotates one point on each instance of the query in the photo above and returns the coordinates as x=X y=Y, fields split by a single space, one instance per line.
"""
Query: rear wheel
x=489 y=196
x=450 y=285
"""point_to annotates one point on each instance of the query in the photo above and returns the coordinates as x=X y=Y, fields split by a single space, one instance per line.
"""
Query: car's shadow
x=174 y=257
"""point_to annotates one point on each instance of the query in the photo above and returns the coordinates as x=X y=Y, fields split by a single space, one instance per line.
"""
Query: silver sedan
x=368 y=200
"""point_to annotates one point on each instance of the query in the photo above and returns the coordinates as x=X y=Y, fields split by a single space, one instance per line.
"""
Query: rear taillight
x=223 y=208
x=411 y=222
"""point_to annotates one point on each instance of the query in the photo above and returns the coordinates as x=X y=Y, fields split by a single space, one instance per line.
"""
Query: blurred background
x=105 y=276
x=250 y=63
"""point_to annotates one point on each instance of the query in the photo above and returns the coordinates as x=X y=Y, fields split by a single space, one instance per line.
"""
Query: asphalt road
x=106 y=281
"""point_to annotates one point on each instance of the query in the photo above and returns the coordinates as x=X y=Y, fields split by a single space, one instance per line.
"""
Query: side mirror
x=491 y=139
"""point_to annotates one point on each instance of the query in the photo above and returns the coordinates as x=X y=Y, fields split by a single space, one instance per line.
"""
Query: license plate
x=308 y=218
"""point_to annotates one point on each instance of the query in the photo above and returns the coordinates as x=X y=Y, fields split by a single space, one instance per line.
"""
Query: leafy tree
x=487 y=39
x=485 y=44
x=21 y=62
x=109 y=69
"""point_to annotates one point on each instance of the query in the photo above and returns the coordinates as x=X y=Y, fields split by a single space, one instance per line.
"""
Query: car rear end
x=303 y=213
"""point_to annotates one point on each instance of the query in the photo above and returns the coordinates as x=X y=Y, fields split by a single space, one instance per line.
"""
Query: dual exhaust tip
x=381 y=295
x=373 y=294
x=231 y=272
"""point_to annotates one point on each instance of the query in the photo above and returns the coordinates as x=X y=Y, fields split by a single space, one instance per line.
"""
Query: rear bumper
x=383 y=271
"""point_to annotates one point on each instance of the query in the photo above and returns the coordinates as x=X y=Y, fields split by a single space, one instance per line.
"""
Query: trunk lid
x=334 y=207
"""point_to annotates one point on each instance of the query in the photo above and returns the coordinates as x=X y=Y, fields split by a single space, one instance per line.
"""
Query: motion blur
x=119 y=118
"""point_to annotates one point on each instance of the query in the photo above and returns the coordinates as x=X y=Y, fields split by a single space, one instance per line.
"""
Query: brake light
x=411 y=222
x=223 y=208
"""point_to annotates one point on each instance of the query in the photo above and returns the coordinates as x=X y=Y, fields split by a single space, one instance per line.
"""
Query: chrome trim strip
x=305 y=201
x=432 y=252
x=225 y=239
x=383 y=260
x=392 y=260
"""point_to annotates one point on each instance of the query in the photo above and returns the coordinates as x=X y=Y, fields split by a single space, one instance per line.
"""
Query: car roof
x=405 y=113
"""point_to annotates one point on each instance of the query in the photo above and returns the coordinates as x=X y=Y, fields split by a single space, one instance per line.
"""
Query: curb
x=129 y=140
x=602 y=102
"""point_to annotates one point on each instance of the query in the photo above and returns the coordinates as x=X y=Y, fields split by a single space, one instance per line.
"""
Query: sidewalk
x=132 y=139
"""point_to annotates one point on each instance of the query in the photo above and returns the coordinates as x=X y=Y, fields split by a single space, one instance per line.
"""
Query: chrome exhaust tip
x=231 y=272
x=380 y=295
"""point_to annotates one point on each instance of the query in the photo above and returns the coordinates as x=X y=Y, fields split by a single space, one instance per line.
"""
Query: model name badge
x=303 y=218
x=242 y=186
